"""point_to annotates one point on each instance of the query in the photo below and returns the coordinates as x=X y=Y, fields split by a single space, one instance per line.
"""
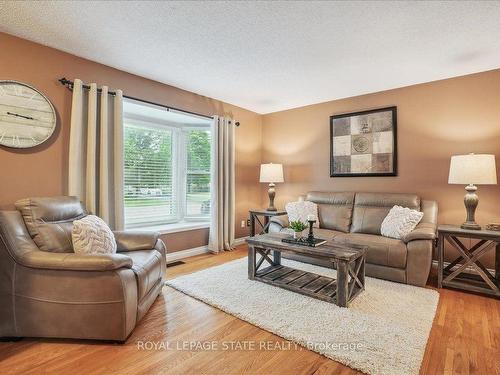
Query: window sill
x=178 y=227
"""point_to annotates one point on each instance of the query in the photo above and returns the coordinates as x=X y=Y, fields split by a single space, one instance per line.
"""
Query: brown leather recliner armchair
x=46 y=290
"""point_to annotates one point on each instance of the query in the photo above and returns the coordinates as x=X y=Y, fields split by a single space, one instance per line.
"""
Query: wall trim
x=240 y=241
x=177 y=255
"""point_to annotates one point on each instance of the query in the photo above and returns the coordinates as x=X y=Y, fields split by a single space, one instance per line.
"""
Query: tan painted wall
x=435 y=120
x=42 y=171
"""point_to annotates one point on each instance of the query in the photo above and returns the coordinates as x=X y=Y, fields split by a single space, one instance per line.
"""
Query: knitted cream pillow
x=91 y=235
x=400 y=221
x=300 y=210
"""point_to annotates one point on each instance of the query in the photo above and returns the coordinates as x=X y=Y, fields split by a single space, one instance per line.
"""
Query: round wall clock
x=27 y=118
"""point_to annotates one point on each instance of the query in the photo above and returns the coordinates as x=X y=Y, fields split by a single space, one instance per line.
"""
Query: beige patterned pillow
x=91 y=235
x=300 y=210
x=400 y=221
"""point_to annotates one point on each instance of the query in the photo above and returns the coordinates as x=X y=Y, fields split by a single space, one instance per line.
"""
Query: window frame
x=184 y=137
x=179 y=166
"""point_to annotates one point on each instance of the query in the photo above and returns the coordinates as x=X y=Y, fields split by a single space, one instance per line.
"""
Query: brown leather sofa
x=356 y=218
x=46 y=290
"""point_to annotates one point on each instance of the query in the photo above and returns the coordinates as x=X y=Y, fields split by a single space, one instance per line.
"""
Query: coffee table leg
x=251 y=262
x=342 y=285
x=277 y=257
x=361 y=274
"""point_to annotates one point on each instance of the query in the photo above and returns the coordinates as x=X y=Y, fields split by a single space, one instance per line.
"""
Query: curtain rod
x=69 y=84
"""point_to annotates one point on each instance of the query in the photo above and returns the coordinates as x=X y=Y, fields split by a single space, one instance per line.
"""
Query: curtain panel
x=221 y=236
x=95 y=164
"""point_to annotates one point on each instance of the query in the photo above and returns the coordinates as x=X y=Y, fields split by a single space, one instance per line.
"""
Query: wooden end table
x=254 y=219
x=453 y=275
x=349 y=261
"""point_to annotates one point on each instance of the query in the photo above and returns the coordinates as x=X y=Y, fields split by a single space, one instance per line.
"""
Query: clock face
x=27 y=118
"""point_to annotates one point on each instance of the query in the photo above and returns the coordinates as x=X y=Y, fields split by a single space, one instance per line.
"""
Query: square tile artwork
x=363 y=144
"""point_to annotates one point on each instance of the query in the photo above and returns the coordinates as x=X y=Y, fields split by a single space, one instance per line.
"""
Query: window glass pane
x=198 y=173
x=148 y=175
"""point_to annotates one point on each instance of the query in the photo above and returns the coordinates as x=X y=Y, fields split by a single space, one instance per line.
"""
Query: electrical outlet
x=243 y=223
x=248 y=222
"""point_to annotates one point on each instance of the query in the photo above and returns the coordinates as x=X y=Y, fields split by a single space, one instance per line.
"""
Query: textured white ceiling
x=270 y=56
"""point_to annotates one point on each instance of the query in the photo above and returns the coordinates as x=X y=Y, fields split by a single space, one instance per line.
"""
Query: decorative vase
x=297 y=235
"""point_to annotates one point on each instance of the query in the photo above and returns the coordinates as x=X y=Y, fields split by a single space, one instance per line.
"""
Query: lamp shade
x=271 y=172
x=476 y=169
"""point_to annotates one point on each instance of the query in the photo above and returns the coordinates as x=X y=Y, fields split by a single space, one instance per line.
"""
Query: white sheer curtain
x=96 y=152
x=222 y=186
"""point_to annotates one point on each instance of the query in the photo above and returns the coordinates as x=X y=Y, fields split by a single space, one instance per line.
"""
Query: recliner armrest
x=75 y=262
x=135 y=240
x=423 y=231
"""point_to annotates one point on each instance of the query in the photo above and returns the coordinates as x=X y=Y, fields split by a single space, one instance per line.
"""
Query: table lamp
x=271 y=173
x=469 y=170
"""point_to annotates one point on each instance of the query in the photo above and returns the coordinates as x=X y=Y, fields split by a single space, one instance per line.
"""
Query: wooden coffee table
x=348 y=259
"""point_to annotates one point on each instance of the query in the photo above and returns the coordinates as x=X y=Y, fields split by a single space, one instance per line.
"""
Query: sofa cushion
x=50 y=221
x=334 y=209
x=370 y=209
x=383 y=251
x=147 y=269
x=326 y=234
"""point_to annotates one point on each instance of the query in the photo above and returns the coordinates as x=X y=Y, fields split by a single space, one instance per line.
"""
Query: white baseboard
x=177 y=255
x=240 y=241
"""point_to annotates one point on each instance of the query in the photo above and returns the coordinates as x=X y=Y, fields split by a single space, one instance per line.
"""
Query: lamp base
x=272 y=193
x=471 y=200
x=473 y=226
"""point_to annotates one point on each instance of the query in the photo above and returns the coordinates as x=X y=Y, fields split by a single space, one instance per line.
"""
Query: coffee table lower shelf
x=303 y=282
x=264 y=265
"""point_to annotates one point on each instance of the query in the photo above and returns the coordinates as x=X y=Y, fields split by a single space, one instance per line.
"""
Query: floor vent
x=176 y=263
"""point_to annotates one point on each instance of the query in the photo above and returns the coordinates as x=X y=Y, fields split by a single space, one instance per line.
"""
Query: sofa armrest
x=423 y=231
x=418 y=262
x=135 y=240
x=75 y=262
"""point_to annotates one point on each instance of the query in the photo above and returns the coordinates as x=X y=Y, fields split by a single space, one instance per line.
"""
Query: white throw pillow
x=400 y=221
x=91 y=235
x=300 y=210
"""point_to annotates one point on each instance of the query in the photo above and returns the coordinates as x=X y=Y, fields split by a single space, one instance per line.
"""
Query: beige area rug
x=384 y=330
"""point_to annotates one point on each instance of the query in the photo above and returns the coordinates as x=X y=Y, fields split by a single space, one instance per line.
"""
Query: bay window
x=167 y=161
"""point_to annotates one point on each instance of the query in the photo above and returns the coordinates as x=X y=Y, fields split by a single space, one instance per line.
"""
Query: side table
x=264 y=226
x=453 y=274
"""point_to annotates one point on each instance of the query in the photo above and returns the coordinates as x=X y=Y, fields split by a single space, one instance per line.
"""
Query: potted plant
x=298 y=227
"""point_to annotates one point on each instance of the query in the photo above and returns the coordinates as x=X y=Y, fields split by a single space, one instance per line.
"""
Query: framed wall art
x=364 y=144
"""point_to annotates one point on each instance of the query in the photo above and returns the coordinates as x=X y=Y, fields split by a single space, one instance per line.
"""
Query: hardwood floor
x=465 y=339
